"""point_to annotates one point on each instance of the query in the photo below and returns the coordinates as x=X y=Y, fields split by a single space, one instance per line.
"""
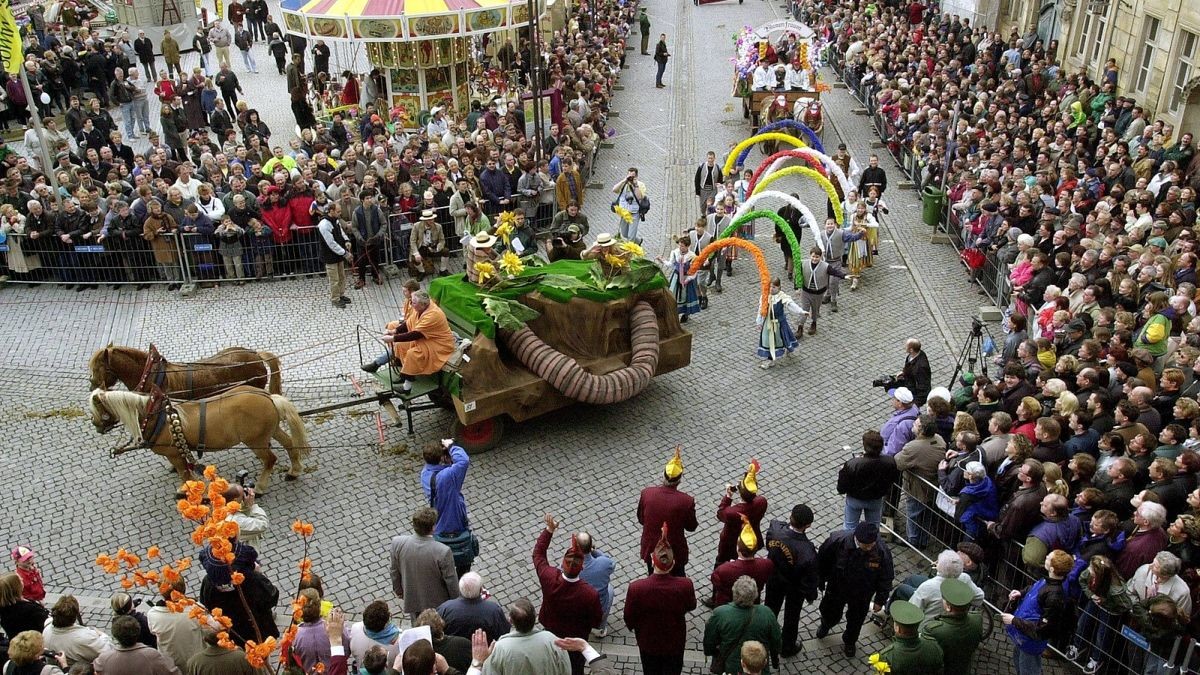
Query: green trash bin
x=933 y=201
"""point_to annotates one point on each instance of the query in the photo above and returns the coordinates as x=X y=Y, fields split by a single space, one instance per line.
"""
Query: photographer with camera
x=27 y=656
x=442 y=478
x=916 y=375
x=251 y=519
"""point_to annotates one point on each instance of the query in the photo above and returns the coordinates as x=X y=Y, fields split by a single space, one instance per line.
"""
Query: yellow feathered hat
x=674 y=468
x=750 y=480
x=747 y=537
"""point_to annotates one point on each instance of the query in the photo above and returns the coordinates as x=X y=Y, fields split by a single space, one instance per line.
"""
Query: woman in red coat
x=350 y=93
x=300 y=200
x=278 y=216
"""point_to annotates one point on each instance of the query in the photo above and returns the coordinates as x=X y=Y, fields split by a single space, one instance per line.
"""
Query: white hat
x=436 y=109
x=427 y=214
x=781 y=99
x=605 y=239
x=940 y=392
x=483 y=240
x=428 y=194
x=902 y=394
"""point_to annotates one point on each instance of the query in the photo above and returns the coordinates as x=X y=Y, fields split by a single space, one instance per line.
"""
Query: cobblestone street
x=70 y=500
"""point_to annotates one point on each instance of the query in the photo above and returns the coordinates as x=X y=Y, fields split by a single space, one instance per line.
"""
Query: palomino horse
x=188 y=381
x=243 y=414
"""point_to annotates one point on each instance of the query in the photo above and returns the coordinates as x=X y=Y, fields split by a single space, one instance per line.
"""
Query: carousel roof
x=390 y=20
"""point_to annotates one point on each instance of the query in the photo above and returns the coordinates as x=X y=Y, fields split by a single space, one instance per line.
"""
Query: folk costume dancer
x=776 y=338
x=859 y=257
x=683 y=285
x=702 y=236
x=834 y=243
x=817 y=274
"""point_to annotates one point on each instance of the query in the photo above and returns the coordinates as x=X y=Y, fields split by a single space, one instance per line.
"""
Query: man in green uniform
x=644 y=27
x=910 y=654
x=959 y=630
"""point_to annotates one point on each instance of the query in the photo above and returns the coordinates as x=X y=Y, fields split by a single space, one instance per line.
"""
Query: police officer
x=794 y=580
x=910 y=652
x=853 y=567
x=959 y=630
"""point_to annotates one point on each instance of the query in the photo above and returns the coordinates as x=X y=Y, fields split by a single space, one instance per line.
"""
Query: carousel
x=423 y=47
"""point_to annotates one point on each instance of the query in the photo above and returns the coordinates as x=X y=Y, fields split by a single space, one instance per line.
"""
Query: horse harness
x=154 y=374
x=161 y=412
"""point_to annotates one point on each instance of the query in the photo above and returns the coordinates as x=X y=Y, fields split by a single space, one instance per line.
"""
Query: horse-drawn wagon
x=555 y=342
x=774 y=73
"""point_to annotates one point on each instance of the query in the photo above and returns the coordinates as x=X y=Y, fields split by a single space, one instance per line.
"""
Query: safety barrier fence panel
x=928 y=527
x=92 y=261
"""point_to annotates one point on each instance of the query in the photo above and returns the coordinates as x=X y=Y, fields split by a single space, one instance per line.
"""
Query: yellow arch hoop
x=805 y=171
x=731 y=160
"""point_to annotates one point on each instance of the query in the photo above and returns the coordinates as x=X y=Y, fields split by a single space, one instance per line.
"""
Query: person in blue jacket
x=1042 y=616
x=442 y=480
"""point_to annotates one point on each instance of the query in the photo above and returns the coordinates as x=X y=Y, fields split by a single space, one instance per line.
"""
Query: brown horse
x=187 y=381
x=243 y=414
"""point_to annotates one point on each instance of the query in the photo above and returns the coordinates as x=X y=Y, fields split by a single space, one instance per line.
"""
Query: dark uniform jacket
x=795 y=560
x=849 y=572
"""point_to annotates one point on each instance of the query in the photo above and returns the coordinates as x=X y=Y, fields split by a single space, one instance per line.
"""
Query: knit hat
x=865 y=532
x=572 y=562
x=22 y=554
x=674 y=468
x=662 y=557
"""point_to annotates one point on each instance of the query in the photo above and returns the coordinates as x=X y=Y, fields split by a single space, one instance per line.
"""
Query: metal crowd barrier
x=1122 y=650
x=111 y=260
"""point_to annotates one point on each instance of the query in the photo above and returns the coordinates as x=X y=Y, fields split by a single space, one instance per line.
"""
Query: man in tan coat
x=427 y=246
x=919 y=459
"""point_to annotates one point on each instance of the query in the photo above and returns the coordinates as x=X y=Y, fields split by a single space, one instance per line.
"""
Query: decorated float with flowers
x=540 y=336
x=775 y=72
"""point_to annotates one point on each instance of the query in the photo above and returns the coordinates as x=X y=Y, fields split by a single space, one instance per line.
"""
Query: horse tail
x=288 y=413
x=274 y=372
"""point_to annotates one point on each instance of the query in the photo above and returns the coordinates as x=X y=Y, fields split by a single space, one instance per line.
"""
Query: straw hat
x=483 y=240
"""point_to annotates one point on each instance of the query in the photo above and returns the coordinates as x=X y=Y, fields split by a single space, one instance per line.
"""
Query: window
x=1099 y=24
x=1185 y=67
x=1149 y=45
x=1084 y=31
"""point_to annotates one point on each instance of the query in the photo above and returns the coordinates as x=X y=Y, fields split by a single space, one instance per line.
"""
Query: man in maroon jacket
x=666 y=503
x=753 y=507
x=759 y=569
x=570 y=608
x=656 y=609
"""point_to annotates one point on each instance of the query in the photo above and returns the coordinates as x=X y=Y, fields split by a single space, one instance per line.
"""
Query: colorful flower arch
x=793 y=243
x=812 y=140
x=775 y=161
x=730 y=161
x=830 y=165
x=760 y=261
x=821 y=180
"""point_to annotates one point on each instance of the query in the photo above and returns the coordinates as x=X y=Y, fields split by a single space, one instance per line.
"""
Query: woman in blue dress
x=776 y=337
x=683 y=285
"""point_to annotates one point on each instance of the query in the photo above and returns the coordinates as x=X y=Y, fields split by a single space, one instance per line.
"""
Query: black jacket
x=917 y=377
x=850 y=572
x=867 y=477
x=795 y=559
x=144 y=49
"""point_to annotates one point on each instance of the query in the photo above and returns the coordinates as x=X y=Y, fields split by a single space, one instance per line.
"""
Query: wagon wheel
x=480 y=436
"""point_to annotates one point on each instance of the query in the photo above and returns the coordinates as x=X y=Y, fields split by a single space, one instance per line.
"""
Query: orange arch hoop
x=760 y=261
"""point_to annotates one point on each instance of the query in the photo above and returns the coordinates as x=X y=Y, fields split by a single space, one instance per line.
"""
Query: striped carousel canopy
x=391 y=20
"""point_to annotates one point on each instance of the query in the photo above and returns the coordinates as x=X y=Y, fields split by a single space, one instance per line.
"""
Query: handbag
x=717 y=667
x=463 y=545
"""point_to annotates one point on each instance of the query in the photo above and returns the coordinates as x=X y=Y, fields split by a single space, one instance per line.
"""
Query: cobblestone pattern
x=586 y=464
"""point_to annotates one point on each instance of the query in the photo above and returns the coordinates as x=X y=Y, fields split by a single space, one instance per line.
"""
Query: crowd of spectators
x=1085 y=438
x=219 y=196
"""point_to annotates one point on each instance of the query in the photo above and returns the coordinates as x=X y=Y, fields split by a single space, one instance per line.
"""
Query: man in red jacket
x=759 y=569
x=666 y=503
x=656 y=609
x=570 y=608
x=753 y=507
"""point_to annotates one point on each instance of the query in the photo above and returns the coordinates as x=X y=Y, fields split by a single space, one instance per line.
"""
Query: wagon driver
x=423 y=341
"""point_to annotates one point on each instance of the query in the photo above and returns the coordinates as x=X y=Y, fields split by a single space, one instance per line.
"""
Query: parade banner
x=10 y=40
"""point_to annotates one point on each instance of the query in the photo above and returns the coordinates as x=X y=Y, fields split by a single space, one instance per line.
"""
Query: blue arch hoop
x=811 y=137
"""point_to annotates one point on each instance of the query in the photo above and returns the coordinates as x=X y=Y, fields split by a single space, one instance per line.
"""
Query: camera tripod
x=972 y=353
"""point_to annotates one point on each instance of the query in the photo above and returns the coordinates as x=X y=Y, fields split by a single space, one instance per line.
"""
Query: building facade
x=1156 y=45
